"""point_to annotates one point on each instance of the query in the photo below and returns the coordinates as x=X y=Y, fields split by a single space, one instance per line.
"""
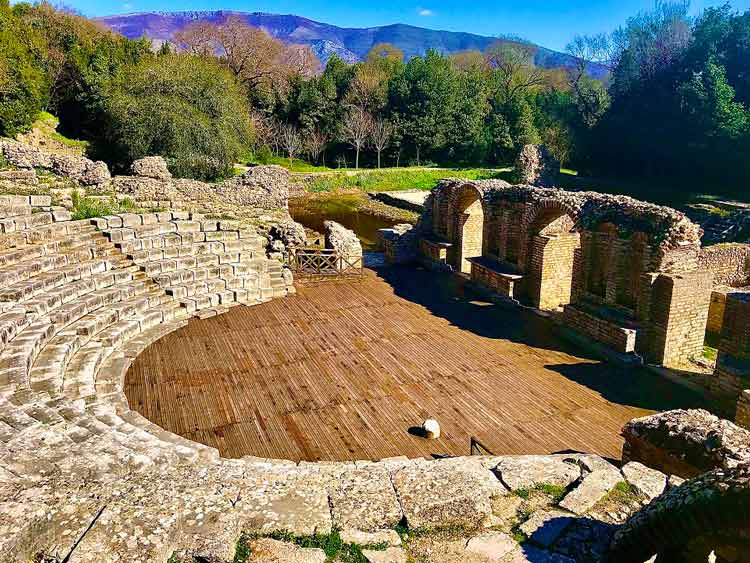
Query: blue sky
x=551 y=23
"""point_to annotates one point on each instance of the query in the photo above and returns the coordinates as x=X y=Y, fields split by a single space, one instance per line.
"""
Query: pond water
x=313 y=211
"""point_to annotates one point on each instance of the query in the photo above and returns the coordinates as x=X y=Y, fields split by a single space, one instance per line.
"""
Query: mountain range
x=351 y=44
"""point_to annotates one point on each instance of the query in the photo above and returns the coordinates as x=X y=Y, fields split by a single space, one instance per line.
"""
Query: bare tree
x=588 y=49
x=198 y=38
x=382 y=131
x=291 y=140
x=264 y=128
x=300 y=59
x=514 y=68
x=356 y=129
x=316 y=143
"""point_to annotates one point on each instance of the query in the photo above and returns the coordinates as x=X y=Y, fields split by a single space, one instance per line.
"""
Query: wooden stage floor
x=341 y=371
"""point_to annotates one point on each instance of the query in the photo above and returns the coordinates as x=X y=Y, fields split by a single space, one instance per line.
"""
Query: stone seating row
x=202 y=263
x=56 y=337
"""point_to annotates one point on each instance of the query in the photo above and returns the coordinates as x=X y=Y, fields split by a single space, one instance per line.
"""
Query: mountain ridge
x=350 y=43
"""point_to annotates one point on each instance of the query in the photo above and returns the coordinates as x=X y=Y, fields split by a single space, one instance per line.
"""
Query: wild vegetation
x=674 y=106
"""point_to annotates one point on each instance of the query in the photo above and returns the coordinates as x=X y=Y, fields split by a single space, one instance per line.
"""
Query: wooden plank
x=341 y=370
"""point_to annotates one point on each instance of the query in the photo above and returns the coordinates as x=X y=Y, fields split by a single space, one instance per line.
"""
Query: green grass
x=556 y=492
x=49 y=124
x=710 y=353
x=331 y=544
x=393 y=179
x=295 y=165
x=85 y=207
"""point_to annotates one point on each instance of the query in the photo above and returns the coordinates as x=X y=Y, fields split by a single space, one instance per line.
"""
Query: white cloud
x=425 y=12
x=127 y=6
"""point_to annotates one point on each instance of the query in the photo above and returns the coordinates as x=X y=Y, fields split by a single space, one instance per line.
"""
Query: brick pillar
x=742 y=414
x=550 y=270
x=732 y=373
x=677 y=316
x=502 y=235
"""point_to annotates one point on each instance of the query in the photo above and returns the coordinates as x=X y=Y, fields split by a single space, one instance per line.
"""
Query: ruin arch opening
x=551 y=252
x=470 y=228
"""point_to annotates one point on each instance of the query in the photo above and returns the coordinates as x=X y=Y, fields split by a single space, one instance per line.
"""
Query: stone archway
x=470 y=231
x=550 y=257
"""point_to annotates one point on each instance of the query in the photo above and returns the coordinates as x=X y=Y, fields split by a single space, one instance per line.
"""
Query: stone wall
x=261 y=189
x=685 y=442
x=346 y=244
x=537 y=166
x=399 y=244
x=82 y=170
x=730 y=263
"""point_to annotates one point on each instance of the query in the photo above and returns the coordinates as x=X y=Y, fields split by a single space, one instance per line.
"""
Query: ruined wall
x=730 y=263
x=685 y=442
x=627 y=273
x=732 y=373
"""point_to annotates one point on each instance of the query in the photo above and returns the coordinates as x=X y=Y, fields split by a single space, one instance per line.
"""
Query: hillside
x=351 y=44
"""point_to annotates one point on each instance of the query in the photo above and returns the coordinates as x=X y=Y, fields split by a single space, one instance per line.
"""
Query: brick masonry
x=732 y=373
x=742 y=414
x=629 y=274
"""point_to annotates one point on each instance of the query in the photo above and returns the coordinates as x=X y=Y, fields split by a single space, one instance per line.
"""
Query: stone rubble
x=81 y=169
x=536 y=166
x=685 y=443
x=151 y=167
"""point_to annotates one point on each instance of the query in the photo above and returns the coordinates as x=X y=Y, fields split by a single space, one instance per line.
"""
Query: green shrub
x=23 y=83
x=188 y=109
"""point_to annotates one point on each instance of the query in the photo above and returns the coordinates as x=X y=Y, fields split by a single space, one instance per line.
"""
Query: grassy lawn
x=294 y=165
x=393 y=179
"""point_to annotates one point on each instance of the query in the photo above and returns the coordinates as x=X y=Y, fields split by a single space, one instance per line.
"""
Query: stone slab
x=492 y=545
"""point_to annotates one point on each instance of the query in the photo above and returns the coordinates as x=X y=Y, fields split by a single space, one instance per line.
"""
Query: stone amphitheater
x=85 y=479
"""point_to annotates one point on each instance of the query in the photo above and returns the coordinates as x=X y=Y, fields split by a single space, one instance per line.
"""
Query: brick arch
x=549 y=253
x=546 y=217
x=466 y=225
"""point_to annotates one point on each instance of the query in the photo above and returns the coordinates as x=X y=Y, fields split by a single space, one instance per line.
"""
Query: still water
x=312 y=212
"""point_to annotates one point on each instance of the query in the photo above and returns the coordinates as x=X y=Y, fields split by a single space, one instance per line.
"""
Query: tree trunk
x=417 y=155
x=378 y=159
x=356 y=161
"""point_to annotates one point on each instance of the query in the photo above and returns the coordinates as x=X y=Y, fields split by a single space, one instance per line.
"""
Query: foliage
x=679 y=95
x=23 y=82
x=186 y=108
x=86 y=207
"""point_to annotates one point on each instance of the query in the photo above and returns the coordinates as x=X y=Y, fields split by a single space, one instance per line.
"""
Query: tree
x=424 y=100
x=23 y=82
x=291 y=140
x=188 y=109
x=382 y=131
x=316 y=143
x=252 y=55
x=513 y=68
x=356 y=129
